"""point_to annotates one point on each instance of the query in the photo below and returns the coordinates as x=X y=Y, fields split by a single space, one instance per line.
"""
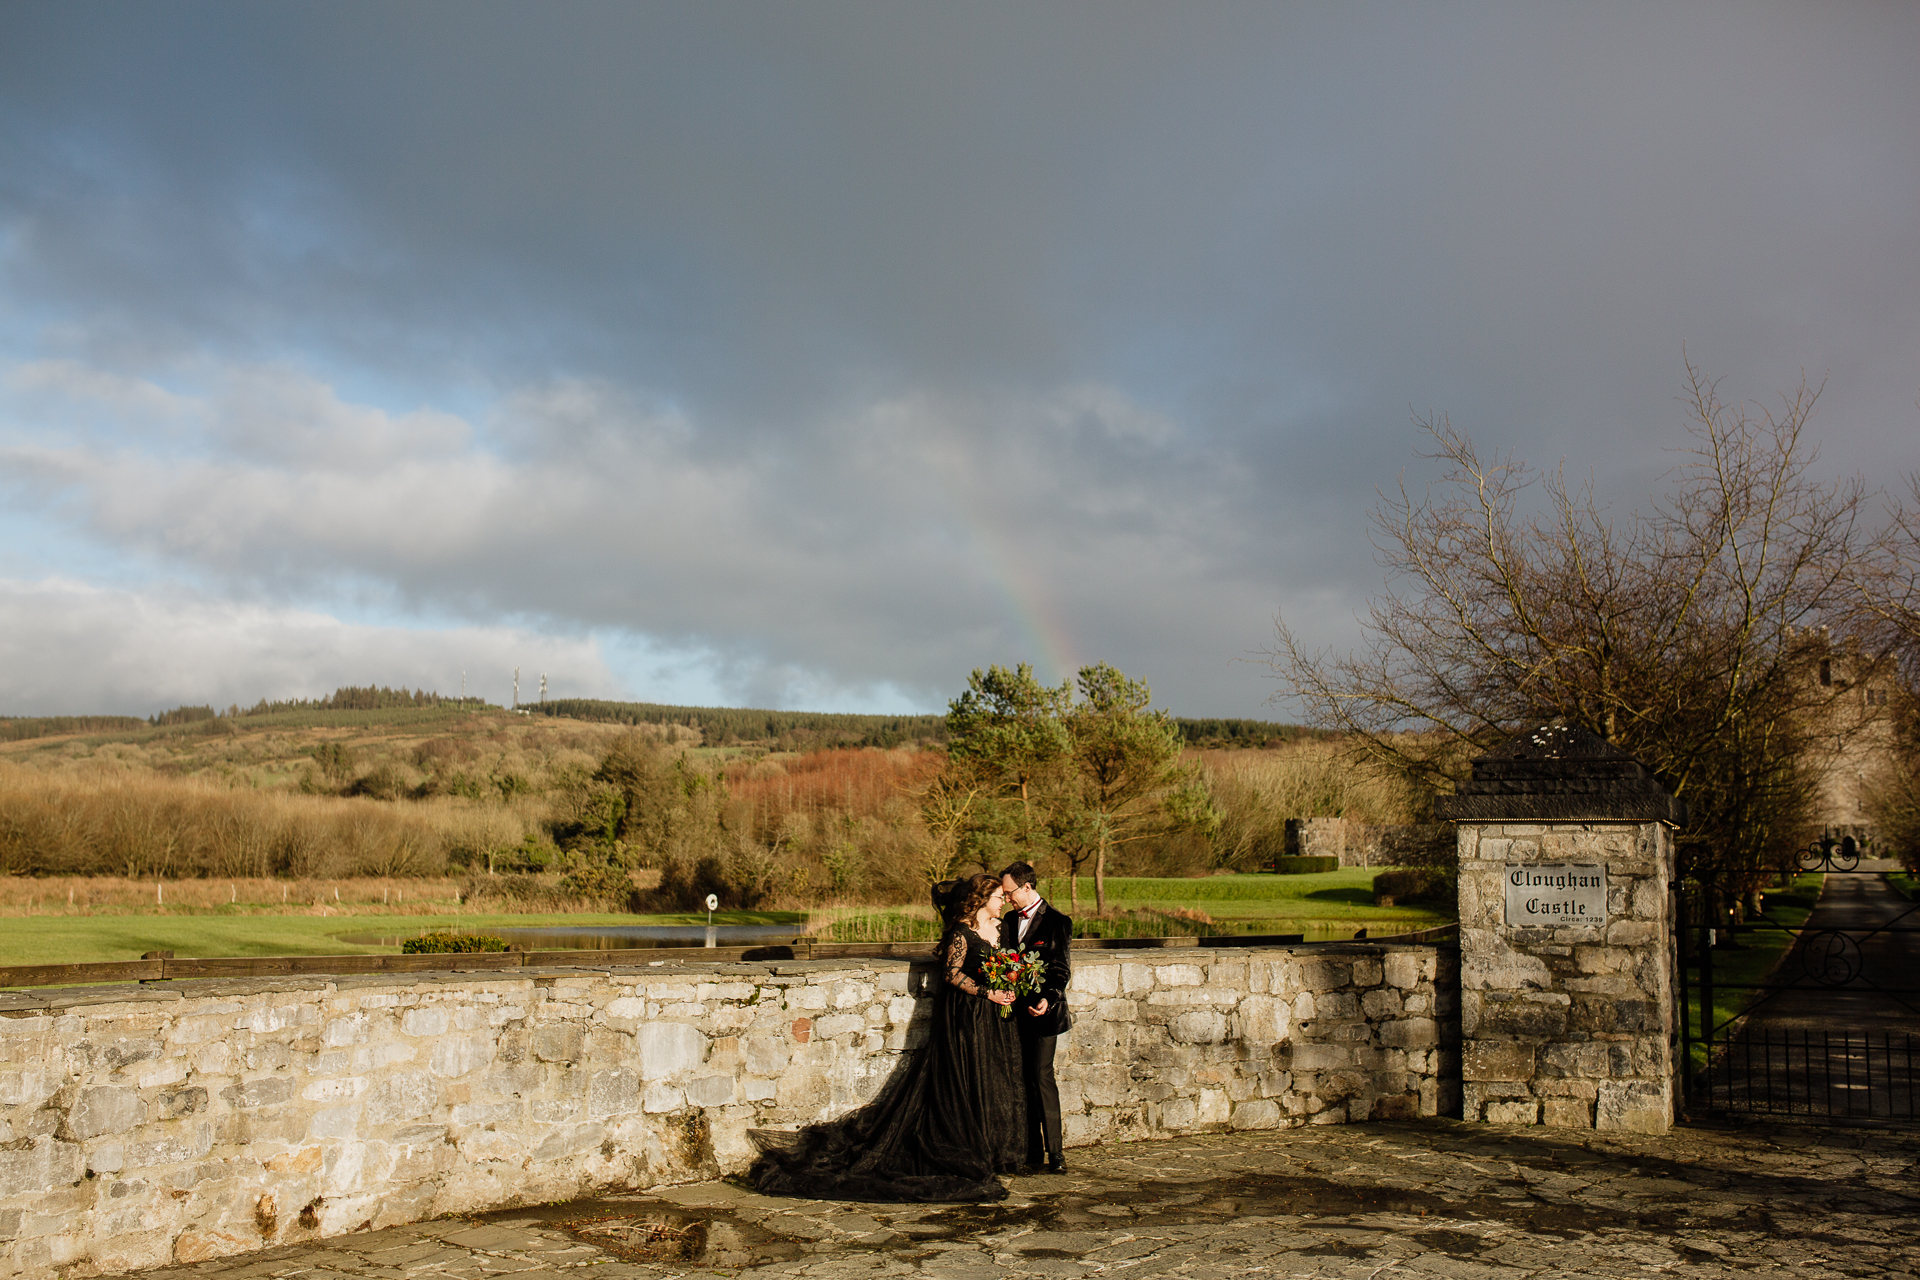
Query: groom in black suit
x=1034 y=925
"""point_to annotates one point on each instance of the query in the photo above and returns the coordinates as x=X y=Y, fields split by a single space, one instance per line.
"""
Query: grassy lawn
x=1327 y=905
x=1760 y=948
x=1905 y=883
x=80 y=939
x=1322 y=905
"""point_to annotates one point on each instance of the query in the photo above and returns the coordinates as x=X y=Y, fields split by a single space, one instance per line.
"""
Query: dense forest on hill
x=22 y=728
x=799 y=730
x=782 y=730
x=715 y=726
x=205 y=718
x=1213 y=732
x=356 y=698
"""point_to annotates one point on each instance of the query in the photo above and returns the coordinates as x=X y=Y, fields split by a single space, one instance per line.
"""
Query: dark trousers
x=1043 y=1098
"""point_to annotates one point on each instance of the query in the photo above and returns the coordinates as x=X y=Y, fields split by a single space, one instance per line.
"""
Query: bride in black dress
x=954 y=1116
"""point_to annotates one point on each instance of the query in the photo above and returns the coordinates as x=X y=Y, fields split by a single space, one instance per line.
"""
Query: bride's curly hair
x=968 y=896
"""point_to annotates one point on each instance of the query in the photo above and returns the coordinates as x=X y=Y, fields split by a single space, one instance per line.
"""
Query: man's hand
x=1039 y=1008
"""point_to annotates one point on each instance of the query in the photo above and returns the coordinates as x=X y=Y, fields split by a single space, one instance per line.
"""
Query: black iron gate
x=1832 y=1032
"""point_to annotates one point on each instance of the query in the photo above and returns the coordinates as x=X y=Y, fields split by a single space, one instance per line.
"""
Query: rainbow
x=1038 y=622
x=1040 y=626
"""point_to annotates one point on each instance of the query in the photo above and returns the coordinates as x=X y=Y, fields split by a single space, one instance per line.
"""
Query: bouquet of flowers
x=1013 y=969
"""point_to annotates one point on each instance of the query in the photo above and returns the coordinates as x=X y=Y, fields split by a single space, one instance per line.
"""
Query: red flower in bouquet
x=1013 y=969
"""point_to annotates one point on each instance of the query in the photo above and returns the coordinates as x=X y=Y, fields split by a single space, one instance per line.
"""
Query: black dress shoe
x=1057 y=1165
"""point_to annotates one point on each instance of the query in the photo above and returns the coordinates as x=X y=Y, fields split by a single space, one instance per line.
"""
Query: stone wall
x=1371 y=844
x=147 y=1125
x=1570 y=1025
x=1317 y=838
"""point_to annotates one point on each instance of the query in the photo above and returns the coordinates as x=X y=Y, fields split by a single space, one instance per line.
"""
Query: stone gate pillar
x=1567 y=989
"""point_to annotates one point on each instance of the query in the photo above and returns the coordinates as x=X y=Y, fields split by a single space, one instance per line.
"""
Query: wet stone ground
x=1366 y=1202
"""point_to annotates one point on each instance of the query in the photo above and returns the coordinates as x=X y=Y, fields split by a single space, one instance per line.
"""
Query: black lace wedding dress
x=940 y=1130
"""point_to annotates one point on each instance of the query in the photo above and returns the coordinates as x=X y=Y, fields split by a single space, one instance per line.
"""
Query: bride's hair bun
x=967 y=895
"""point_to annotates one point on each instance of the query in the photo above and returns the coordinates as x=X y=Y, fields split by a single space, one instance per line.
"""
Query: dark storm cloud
x=847 y=344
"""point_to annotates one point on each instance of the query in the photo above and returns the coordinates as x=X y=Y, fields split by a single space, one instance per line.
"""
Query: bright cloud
x=910 y=539
x=73 y=648
x=820 y=358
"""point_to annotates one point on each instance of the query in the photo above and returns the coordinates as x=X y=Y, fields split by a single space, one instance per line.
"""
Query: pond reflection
x=628 y=936
x=614 y=937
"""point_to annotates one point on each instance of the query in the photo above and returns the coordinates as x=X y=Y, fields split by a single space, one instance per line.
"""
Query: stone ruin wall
x=1371 y=844
x=141 y=1126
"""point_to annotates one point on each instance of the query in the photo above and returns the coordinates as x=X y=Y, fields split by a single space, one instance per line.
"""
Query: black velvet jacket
x=1051 y=934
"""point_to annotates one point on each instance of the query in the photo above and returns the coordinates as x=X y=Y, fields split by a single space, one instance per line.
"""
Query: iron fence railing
x=1817 y=1075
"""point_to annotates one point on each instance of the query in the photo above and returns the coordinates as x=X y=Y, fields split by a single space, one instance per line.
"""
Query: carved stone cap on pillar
x=1560 y=772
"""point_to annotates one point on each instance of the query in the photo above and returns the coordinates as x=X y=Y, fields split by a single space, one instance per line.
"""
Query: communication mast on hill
x=516 y=686
x=543 y=686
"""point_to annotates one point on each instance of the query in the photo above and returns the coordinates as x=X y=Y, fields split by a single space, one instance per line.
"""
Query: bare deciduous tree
x=1888 y=578
x=1677 y=632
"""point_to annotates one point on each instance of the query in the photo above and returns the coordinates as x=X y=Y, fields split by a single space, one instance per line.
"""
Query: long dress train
x=941 y=1129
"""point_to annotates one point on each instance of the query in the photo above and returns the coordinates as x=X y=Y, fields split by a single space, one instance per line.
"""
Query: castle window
x=1826 y=673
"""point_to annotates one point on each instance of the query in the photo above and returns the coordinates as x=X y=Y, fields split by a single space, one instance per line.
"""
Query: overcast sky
x=812 y=355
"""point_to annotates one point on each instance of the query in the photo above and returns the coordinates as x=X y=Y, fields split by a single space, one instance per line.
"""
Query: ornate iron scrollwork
x=1831 y=855
x=1830 y=957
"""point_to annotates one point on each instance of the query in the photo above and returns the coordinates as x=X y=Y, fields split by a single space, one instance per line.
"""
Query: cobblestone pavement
x=1366 y=1202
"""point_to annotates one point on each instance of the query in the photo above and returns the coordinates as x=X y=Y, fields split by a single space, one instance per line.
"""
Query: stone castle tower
x=1851 y=705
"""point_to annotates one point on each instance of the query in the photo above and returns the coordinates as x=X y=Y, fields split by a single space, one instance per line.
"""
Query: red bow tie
x=1028 y=911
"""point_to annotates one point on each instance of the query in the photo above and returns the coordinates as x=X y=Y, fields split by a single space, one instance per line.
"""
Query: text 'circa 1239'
x=1549 y=896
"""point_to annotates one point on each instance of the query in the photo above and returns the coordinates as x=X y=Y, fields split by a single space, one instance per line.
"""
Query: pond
x=1329 y=930
x=618 y=937
x=613 y=937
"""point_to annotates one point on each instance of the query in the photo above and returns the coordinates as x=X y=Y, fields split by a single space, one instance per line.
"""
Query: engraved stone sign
x=1546 y=896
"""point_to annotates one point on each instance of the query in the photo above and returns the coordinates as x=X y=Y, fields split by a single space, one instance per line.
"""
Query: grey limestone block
x=388 y=1098
x=1591 y=1002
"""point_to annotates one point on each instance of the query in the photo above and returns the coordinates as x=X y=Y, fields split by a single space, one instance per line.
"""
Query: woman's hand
x=1000 y=997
